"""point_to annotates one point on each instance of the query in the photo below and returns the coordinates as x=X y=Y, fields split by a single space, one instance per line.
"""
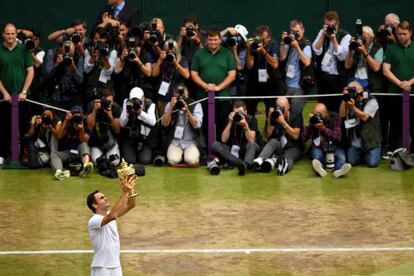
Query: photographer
x=64 y=76
x=16 y=75
x=75 y=33
x=38 y=139
x=262 y=64
x=331 y=47
x=157 y=37
x=234 y=39
x=238 y=144
x=138 y=116
x=172 y=68
x=296 y=56
x=387 y=34
x=117 y=11
x=99 y=66
x=283 y=130
x=191 y=37
x=325 y=130
x=362 y=125
x=103 y=121
x=184 y=137
x=71 y=145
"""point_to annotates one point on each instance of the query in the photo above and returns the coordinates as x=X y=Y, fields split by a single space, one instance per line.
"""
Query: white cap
x=136 y=92
x=242 y=31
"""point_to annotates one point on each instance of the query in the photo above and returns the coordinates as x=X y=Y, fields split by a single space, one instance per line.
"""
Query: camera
x=290 y=36
x=351 y=94
x=67 y=59
x=154 y=33
x=102 y=47
x=257 y=42
x=27 y=41
x=46 y=120
x=238 y=116
x=234 y=40
x=387 y=31
x=75 y=38
x=358 y=41
x=105 y=104
x=316 y=118
x=330 y=30
x=131 y=44
x=181 y=101
x=134 y=104
x=170 y=53
x=77 y=118
x=213 y=166
x=329 y=149
x=159 y=160
x=275 y=114
x=190 y=31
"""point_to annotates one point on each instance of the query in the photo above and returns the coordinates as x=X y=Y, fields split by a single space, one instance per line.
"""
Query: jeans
x=340 y=158
x=372 y=158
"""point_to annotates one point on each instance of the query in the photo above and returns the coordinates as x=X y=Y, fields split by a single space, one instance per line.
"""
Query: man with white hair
x=138 y=118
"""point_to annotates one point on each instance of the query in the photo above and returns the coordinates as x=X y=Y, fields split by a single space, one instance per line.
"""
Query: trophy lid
x=125 y=169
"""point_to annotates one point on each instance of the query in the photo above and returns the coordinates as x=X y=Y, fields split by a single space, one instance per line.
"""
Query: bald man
x=284 y=146
x=325 y=130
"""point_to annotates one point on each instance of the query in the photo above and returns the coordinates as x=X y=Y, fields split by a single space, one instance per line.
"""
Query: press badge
x=362 y=73
x=235 y=151
x=102 y=77
x=326 y=59
x=317 y=141
x=290 y=73
x=263 y=76
x=179 y=132
x=350 y=123
x=75 y=152
x=164 y=88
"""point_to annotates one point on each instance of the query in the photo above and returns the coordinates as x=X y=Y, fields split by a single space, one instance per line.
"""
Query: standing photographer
x=296 y=55
x=362 y=125
x=238 y=144
x=76 y=33
x=184 y=137
x=283 y=130
x=172 y=68
x=71 y=145
x=99 y=66
x=325 y=130
x=103 y=121
x=191 y=37
x=138 y=118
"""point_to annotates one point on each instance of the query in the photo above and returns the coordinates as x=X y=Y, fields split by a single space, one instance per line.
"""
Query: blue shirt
x=118 y=9
x=293 y=62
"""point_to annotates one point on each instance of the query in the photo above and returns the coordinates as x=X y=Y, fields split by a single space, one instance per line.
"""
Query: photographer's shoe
x=257 y=164
x=242 y=168
x=1 y=161
x=66 y=173
x=344 y=170
x=87 y=169
x=317 y=166
x=282 y=166
x=60 y=175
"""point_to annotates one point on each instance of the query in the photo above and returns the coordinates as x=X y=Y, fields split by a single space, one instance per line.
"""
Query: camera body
x=155 y=35
x=329 y=149
x=75 y=38
x=387 y=31
x=133 y=105
x=290 y=36
x=131 y=45
x=275 y=115
x=190 y=31
x=316 y=118
x=234 y=40
x=213 y=166
x=331 y=29
x=257 y=42
x=27 y=41
x=77 y=118
x=170 y=53
x=358 y=41
x=102 y=47
x=181 y=102
x=351 y=94
x=238 y=116
x=46 y=120
x=67 y=59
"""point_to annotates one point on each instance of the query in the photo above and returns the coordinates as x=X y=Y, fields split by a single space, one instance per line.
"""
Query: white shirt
x=105 y=243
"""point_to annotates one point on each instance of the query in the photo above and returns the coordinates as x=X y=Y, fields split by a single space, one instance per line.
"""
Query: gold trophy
x=124 y=172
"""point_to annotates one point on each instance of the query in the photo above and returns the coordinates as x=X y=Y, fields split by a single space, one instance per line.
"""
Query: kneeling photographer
x=284 y=145
x=184 y=138
x=138 y=117
x=327 y=154
x=103 y=121
x=37 y=140
x=362 y=124
x=238 y=144
x=71 y=146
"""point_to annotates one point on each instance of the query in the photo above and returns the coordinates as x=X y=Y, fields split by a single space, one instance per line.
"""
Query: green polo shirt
x=402 y=63
x=13 y=65
x=212 y=68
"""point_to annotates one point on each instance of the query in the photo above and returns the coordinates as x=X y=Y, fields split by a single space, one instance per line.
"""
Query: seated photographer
x=138 y=118
x=75 y=33
x=103 y=121
x=71 y=145
x=99 y=66
x=362 y=124
x=184 y=137
x=238 y=140
x=37 y=140
x=327 y=154
x=64 y=76
x=284 y=144
x=171 y=68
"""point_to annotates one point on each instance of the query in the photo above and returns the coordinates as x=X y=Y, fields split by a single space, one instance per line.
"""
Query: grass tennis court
x=181 y=209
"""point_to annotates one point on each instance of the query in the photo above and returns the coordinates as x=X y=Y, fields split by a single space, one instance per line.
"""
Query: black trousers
x=330 y=84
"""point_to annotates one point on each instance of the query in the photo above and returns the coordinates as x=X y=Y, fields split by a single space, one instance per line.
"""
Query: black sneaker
x=281 y=165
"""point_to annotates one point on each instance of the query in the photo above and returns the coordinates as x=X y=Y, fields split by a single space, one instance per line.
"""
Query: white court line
x=220 y=250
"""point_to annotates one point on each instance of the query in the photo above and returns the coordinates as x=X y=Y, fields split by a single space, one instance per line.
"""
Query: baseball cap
x=136 y=92
x=242 y=31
